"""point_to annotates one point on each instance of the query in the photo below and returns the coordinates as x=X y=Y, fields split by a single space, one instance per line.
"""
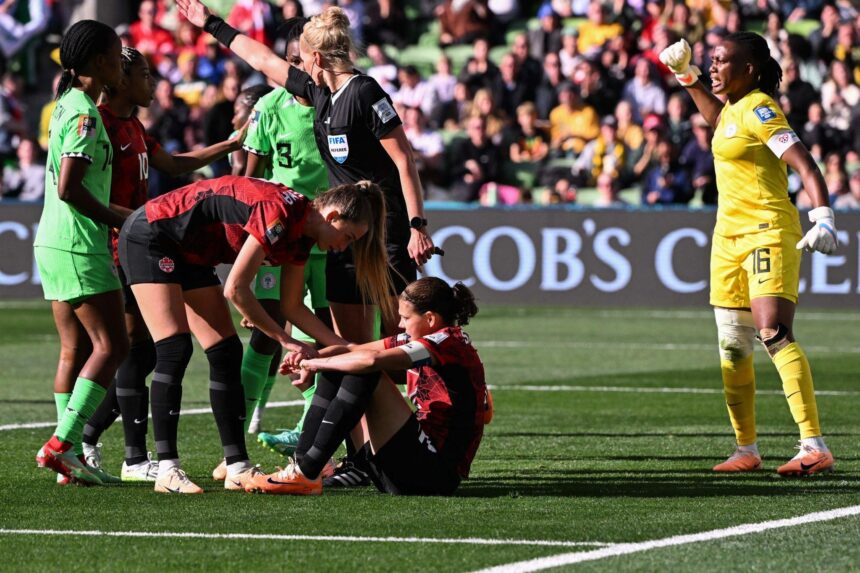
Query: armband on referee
x=221 y=30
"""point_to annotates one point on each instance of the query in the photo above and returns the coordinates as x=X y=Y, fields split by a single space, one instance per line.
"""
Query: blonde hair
x=328 y=34
x=363 y=202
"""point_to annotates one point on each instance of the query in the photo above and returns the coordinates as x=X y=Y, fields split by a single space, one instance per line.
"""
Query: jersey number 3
x=285 y=154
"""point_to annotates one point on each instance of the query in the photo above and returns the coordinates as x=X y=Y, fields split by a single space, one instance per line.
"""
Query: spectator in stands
x=382 y=68
x=25 y=180
x=666 y=182
x=840 y=97
x=210 y=65
x=443 y=81
x=484 y=105
x=13 y=124
x=596 y=30
x=644 y=95
x=385 y=22
x=835 y=176
x=529 y=70
x=595 y=87
x=572 y=123
x=149 y=38
x=525 y=141
x=14 y=33
x=607 y=193
x=698 y=160
x=850 y=200
x=46 y=113
x=799 y=93
x=479 y=72
x=546 y=95
x=794 y=10
x=653 y=130
x=678 y=129
x=170 y=121
x=504 y=11
x=452 y=115
x=251 y=17
x=847 y=48
x=427 y=146
x=547 y=37
x=463 y=21
x=814 y=133
x=509 y=89
x=823 y=39
x=684 y=23
x=355 y=12
x=604 y=155
x=633 y=137
x=218 y=123
x=475 y=161
x=569 y=54
x=189 y=88
x=414 y=92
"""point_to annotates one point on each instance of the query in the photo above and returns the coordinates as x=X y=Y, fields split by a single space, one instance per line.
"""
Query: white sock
x=257 y=416
x=816 y=443
x=236 y=468
x=165 y=465
x=751 y=448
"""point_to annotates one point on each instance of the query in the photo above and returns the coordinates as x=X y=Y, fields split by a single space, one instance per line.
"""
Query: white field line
x=186 y=412
x=650 y=346
x=285 y=537
x=657 y=390
x=619 y=549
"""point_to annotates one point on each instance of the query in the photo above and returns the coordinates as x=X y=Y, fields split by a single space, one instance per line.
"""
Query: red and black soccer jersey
x=132 y=149
x=208 y=221
x=449 y=396
x=348 y=126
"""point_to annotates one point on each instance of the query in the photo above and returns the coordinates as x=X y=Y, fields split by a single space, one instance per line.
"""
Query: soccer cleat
x=241 y=481
x=60 y=457
x=220 y=471
x=63 y=480
x=289 y=481
x=740 y=461
x=176 y=481
x=346 y=474
x=142 y=472
x=328 y=469
x=92 y=457
x=284 y=443
x=807 y=462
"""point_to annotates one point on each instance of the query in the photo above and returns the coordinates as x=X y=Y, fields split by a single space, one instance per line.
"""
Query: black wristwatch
x=417 y=222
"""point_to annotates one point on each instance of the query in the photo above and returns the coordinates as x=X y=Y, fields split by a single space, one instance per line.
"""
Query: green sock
x=255 y=371
x=308 y=395
x=82 y=403
x=267 y=390
x=61 y=400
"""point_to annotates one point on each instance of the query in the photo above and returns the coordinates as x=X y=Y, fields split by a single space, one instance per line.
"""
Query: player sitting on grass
x=426 y=452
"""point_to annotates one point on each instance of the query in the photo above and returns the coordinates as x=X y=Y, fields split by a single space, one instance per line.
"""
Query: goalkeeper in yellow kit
x=755 y=256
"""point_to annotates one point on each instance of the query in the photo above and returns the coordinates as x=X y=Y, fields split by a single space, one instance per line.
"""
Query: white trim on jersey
x=417 y=352
x=340 y=90
x=781 y=141
x=75 y=155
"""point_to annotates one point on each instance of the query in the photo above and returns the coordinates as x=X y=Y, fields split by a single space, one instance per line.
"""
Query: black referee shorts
x=144 y=260
x=407 y=466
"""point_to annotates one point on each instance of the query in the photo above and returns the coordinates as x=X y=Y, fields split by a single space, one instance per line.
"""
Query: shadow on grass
x=647 y=434
x=654 y=484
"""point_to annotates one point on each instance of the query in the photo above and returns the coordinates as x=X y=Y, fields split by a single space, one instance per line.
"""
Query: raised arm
x=257 y=55
x=677 y=58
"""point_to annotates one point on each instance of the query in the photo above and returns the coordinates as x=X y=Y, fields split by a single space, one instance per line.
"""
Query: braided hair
x=757 y=52
x=130 y=56
x=288 y=32
x=84 y=40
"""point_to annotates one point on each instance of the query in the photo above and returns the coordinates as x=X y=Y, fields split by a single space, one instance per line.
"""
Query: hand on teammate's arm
x=71 y=190
x=361 y=361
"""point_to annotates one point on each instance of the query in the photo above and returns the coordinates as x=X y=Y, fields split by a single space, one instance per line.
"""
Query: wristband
x=221 y=30
x=689 y=77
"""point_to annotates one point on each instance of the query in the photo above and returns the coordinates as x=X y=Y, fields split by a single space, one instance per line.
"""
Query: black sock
x=105 y=415
x=342 y=415
x=172 y=356
x=133 y=397
x=327 y=386
x=228 y=397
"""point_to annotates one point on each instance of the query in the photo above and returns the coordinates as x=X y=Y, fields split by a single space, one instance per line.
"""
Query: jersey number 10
x=144 y=166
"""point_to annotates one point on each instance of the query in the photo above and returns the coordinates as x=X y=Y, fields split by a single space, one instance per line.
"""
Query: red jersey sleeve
x=395 y=341
x=152 y=145
x=442 y=347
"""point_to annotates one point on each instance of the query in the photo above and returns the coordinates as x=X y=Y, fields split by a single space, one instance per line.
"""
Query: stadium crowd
x=504 y=102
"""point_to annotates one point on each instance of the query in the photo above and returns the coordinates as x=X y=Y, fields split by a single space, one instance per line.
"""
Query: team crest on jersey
x=384 y=110
x=86 y=126
x=255 y=117
x=167 y=265
x=338 y=146
x=764 y=113
x=267 y=281
x=731 y=130
x=274 y=231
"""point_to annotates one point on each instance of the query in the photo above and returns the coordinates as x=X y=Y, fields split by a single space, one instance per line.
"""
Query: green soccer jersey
x=283 y=129
x=76 y=130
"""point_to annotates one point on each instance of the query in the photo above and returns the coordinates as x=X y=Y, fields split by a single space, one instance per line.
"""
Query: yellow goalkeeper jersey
x=749 y=140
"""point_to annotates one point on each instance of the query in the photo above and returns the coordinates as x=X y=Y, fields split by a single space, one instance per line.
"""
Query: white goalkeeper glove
x=677 y=58
x=821 y=237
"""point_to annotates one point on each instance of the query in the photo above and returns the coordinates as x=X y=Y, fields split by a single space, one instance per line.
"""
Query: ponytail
x=456 y=305
x=65 y=83
x=770 y=77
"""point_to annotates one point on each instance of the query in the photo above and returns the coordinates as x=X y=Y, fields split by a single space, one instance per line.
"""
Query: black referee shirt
x=348 y=126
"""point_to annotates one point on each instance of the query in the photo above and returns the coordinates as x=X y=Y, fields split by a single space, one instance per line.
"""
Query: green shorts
x=267 y=285
x=72 y=277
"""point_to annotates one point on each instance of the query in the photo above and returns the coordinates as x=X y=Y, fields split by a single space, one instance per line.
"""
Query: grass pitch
x=607 y=423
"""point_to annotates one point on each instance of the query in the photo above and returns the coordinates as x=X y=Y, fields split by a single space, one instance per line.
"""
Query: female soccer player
x=426 y=452
x=134 y=153
x=169 y=249
x=71 y=246
x=755 y=262
x=359 y=136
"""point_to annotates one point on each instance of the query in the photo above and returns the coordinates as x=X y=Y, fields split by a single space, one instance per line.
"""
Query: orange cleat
x=807 y=462
x=740 y=461
x=220 y=472
x=289 y=481
x=240 y=481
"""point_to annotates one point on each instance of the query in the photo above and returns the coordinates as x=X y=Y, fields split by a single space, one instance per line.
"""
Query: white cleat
x=143 y=472
x=175 y=480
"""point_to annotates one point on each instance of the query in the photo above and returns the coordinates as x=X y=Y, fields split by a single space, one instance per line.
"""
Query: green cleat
x=92 y=458
x=284 y=443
